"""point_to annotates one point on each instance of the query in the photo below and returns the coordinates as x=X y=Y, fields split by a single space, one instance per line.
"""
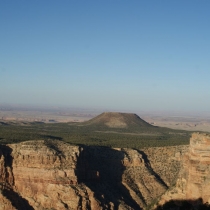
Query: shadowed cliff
x=101 y=169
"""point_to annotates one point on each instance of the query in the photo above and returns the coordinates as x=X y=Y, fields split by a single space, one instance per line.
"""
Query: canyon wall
x=193 y=182
x=55 y=175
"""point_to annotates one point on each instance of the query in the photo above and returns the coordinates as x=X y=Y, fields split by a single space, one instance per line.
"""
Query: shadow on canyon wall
x=7 y=181
x=185 y=205
x=148 y=165
x=17 y=201
x=101 y=169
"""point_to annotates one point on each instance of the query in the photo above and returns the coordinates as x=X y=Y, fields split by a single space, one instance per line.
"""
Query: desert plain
x=190 y=122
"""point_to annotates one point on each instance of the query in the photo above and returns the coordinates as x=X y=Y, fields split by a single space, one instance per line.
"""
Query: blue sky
x=108 y=54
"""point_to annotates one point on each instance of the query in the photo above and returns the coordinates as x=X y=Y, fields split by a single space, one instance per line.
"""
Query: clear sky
x=109 y=54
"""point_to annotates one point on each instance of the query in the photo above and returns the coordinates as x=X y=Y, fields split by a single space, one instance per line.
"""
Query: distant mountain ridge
x=118 y=120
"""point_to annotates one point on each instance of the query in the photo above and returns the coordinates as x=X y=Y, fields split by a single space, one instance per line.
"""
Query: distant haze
x=135 y=56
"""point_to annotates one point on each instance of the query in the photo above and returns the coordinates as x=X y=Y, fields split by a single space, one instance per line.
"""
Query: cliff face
x=41 y=175
x=193 y=181
x=198 y=182
x=55 y=175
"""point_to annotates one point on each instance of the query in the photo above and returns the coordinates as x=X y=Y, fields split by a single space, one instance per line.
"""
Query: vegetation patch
x=137 y=134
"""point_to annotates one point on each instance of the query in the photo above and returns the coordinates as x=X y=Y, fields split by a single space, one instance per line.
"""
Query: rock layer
x=193 y=181
x=55 y=175
x=198 y=180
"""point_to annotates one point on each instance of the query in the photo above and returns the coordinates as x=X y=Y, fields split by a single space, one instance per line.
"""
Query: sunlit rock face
x=193 y=181
x=55 y=175
x=41 y=175
x=198 y=180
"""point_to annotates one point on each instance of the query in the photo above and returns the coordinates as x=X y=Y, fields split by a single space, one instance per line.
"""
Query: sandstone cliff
x=193 y=181
x=54 y=175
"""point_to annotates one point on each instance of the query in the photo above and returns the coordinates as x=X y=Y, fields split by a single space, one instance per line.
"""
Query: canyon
x=51 y=174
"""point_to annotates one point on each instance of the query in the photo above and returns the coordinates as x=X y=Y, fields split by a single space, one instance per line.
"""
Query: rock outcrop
x=198 y=180
x=193 y=181
x=50 y=174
